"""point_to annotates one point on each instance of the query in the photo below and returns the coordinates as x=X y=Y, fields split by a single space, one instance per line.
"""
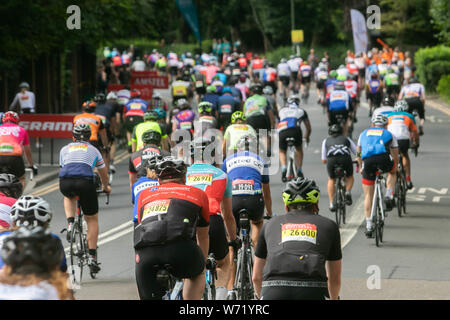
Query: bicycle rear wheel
x=398 y=193
x=338 y=205
x=77 y=255
x=376 y=224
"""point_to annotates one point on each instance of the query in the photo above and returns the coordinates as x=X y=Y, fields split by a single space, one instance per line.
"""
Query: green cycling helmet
x=301 y=190
x=205 y=107
x=211 y=89
x=333 y=74
x=341 y=77
x=238 y=115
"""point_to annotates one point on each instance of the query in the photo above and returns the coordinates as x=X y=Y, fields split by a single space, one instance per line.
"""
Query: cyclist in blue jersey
x=377 y=150
x=226 y=106
x=133 y=114
x=339 y=106
x=217 y=186
x=374 y=92
x=76 y=179
x=212 y=97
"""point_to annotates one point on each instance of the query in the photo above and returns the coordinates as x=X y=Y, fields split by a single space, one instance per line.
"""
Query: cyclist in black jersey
x=300 y=251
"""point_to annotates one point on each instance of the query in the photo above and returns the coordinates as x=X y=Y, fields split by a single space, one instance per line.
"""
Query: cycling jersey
x=305 y=71
x=243 y=88
x=26 y=100
x=5 y=210
x=105 y=113
x=94 y=121
x=143 y=127
x=270 y=75
x=247 y=171
x=352 y=68
x=337 y=146
x=141 y=184
x=392 y=79
x=329 y=85
x=147 y=152
x=294 y=65
x=242 y=62
x=283 y=70
x=385 y=110
x=413 y=90
x=185 y=119
x=78 y=159
x=203 y=124
x=291 y=117
x=135 y=107
x=235 y=132
x=257 y=64
x=351 y=86
x=226 y=104
x=255 y=105
x=158 y=104
x=401 y=124
x=373 y=68
x=374 y=86
x=123 y=96
x=12 y=138
x=213 y=98
x=321 y=74
x=213 y=181
x=376 y=141
x=40 y=291
x=339 y=100
x=343 y=72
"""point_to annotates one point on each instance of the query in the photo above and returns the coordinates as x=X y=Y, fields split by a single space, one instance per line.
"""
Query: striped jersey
x=78 y=159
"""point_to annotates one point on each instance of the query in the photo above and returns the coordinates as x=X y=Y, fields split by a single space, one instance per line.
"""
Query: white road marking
x=354 y=219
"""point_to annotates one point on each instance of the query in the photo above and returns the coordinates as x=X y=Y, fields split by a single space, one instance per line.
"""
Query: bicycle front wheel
x=77 y=255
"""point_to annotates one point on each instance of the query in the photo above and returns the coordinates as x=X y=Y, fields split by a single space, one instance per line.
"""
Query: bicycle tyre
x=398 y=193
x=376 y=228
x=380 y=225
x=338 y=205
x=250 y=288
x=242 y=283
x=77 y=254
x=344 y=207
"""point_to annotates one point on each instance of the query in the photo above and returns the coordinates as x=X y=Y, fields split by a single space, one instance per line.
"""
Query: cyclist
x=270 y=77
x=170 y=217
x=271 y=99
x=183 y=126
x=133 y=114
x=226 y=106
x=391 y=82
x=203 y=175
x=256 y=68
x=294 y=65
x=32 y=258
x=242 y=85
x=386 y=108
x=321 y=76
x=205 y=120
x=76 y=179
x=414 y=94
x=113 y=101
x=108 y=116
x=289 y=126
x=157 y=102
x=336 y=151
x=402 y=125
x=150 y=123
x=199 y=81
x=31 y=211
x=152 y=147
x=300 y=251
x=352 y=88
x=10 y=190
x=339 y=107
x=213 y=97
x=377 y=149
x=14 y=142
x=284 y=73
x=304 y=75
x=374 y=92
x=238 y=129
x=25 y=99
x=180 y=89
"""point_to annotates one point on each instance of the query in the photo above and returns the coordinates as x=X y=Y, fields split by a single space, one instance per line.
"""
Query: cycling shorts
x=284 y=80
x=375 y=97
x=218 y=243
x=293 y=293
x=254 y=205
x=416 y=104
x=200 y=90
x=380 y=162
x=394 y=89
x=295 y=133
x=362 y=72
x=185 y=258
x=85 y=189
x=259 y=122
x=321 y=84
x=334 y=116
x=13 y=165
x=173 y=71
x=403 y=146
x=306 y=80
x=132 y=121
x=294 y=76
x=343 y=161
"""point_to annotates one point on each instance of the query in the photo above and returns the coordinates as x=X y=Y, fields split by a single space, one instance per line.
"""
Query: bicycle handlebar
x=357 y=165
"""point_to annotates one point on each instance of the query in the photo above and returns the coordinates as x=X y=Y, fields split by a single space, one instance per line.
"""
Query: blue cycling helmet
x=161 y=113
x=227 y=90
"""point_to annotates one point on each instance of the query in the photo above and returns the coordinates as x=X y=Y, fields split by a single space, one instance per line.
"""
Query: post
x=292 y=15
x=51 y=151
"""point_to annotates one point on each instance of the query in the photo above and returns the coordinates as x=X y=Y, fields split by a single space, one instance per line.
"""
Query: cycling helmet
x=10 y=185
x=413 y=80
x=388 y=101
x=339 y=85
x=401 y=105
x=150 y=163
x=156 y=95
x=24 y=85
x=205 y=107
x=89 y=105
x=200 y=143
x=31 y=211
x=238 y=115
x=183 y=104
x=379 y=120
x=10 y=116
x=374 y=75
x=247 y=143
x=256 y=88
x=170 y=168
x=301 y=190
x=294 y=99
x=32 y=250
x=161 y=113
x=283 y=60
x=268 y=90
x=151 y=115
x=227 y=90
x=211 y=89
x=135 y=93
x=81 y=132
x=151 y=137
x=335 y=129
x=341 y=77
x=100 y=98
x=333 y=74
x=111 y=96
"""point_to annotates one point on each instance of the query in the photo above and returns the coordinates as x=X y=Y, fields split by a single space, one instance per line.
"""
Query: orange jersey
x=401 y=124
x=92 y=120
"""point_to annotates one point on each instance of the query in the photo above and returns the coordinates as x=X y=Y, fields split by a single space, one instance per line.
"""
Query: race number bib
x=243 y=187
x=199 y=84
x=226 y=108
x=155 y=208
x=199 y=178
x=299 y=232
x=282 y=125
x=186 y=125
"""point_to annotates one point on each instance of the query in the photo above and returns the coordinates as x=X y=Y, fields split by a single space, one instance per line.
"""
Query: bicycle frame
x=291 y=172
x=377 y=203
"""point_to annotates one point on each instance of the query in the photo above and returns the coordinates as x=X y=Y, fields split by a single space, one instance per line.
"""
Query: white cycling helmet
x=111 y=96
x=268 y=90
x=31 y=210
x=379 y=120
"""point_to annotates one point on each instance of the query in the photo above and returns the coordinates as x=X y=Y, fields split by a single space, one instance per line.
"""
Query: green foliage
x=444 y=87
x=440 y=13
x=432 y=63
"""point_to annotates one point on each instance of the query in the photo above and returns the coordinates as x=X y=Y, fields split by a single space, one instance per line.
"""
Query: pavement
x=411 y=264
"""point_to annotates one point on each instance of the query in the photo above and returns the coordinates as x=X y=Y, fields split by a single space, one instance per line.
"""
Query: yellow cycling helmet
x=301 y=190
x=238 y=115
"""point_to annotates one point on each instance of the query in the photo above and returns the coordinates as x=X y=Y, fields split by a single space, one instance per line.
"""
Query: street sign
x=47 y=125
x=297 y=36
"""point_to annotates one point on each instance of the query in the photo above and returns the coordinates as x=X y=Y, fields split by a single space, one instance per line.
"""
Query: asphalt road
x=413 y=262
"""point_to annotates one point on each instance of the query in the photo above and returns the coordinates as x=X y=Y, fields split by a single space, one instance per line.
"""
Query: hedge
x=444 y=87
x=432 y=64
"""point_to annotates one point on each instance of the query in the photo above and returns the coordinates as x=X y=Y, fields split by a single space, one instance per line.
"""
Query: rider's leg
x=331 y=188
x=70 y=207
x=282 y=154
x=368 y=196
x=407 y=165
x=299 y=157
x=256 y=228
x=193 y=288
x=349 y=183
x=92 y=234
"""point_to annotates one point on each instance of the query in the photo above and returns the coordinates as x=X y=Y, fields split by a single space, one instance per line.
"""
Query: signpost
x=297 y=39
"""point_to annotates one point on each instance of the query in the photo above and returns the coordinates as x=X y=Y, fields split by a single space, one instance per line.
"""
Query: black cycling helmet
x=335 y=129
x=199 y=145
x=82 y=131
x=170 y=168
x=10 y=185
x=388 y=101
x=32 y=251
x=150 y=163
x=151 y=115
x=100 y=98
x=151 y=137
x=301 y=190
x=256 y=88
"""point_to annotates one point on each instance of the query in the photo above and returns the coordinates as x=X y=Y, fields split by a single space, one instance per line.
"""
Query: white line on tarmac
x=354 y=219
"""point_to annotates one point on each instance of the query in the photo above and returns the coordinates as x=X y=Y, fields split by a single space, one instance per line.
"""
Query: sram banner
x=146 y=90
x=149 y=78
x=47 y=125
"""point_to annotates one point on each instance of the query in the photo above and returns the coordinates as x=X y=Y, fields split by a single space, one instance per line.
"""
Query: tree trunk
x=267 y=44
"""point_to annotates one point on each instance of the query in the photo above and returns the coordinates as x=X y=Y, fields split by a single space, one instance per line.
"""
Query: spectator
x=102 y=79
x=25 y=99
x=138 y=65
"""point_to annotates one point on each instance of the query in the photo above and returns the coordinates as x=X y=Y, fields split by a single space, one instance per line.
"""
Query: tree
x=440 y=14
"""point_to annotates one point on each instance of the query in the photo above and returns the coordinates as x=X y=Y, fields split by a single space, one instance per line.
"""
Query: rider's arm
x=27 y=152
x=228 y=218
x=308 y=129
x=324 y=151
x=103 y=137
x=334 y=269
x=267 y=197
x=272 y=118
x=14 y=103
x=103 y=172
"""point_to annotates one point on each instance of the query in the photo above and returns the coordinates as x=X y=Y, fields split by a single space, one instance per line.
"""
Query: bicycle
x=211 y=277
x=377 y=213
x=339 y=195
x=78 y=245
x=173 y=286
x=291 y=172
x=401 y=188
